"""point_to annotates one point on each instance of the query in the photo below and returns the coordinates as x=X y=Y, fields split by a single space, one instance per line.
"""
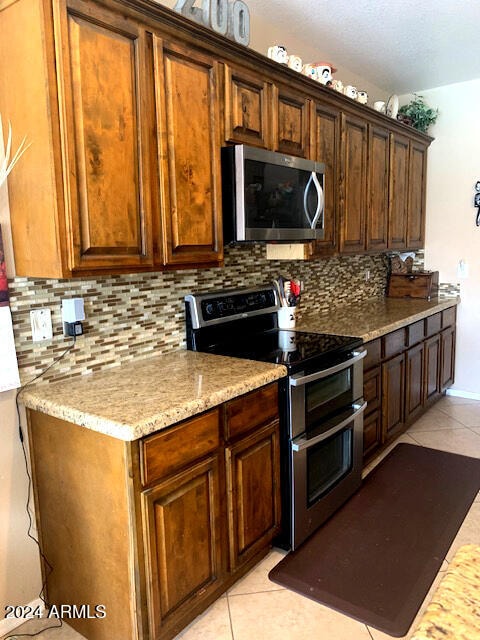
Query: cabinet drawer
x=174 y=448
x=449 y=317
x=372 y=388
x=251 y=410
x=393 y=343
x=415 y=332
x=374 y=354
x=433 y=324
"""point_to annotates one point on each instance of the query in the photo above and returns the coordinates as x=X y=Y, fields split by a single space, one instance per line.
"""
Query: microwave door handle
x=305 y=195
x=320 y=200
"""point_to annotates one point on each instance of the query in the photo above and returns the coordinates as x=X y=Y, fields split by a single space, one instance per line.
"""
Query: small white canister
x=286 y=317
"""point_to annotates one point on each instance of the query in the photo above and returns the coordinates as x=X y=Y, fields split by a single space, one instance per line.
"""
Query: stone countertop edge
x=357 y=315
x=64 y=399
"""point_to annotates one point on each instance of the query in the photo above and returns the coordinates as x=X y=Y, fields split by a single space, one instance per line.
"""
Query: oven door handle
x=304 y=443
x=297 y=381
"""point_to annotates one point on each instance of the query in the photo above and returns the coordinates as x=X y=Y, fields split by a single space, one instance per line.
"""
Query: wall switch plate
x=41 y=321
x=462 y=269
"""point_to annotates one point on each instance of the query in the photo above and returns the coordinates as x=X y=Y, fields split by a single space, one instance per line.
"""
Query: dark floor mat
x=376 y=558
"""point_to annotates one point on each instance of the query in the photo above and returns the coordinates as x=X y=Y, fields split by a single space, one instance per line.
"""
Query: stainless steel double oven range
x=321 y=403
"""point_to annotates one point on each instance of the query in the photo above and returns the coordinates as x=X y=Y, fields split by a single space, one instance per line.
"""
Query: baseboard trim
x=8 y=624
x=463 y=394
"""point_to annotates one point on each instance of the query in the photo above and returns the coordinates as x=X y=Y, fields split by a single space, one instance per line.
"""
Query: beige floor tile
x=213 y=624
x=257 y=579
x=448 y=401
x=463 y=441
x=285 y=615
x=467 y=414
x=379 y=635
x=469 y=532
x=435 y=420
x=34 y=626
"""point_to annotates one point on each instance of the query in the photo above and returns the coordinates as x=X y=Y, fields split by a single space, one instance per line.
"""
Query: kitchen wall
x=451 y=234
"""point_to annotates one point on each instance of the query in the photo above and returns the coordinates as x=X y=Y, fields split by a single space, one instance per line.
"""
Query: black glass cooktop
x=296 y=349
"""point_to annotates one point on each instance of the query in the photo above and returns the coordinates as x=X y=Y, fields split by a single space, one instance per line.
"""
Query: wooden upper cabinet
x=247 y=108
x=109 y=174
x=291 y=122
x=377 y=199
x=353 y=184
x=416 y=195
x=326 y=149
x=188 y=120
x=398 y=205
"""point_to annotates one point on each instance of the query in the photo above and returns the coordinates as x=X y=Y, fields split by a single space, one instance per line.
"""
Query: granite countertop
x=453 y=611
x=138 y=398
x=372 y=318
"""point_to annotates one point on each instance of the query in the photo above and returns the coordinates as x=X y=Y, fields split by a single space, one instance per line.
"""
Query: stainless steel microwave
x=270 y=196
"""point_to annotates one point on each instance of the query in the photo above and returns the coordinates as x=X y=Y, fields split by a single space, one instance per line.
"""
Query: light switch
x=41 y=321
x=462 y=269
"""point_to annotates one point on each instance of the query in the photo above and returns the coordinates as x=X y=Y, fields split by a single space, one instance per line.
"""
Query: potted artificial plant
x=418 y=114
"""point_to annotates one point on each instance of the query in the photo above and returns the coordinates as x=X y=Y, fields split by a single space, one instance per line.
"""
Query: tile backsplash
x=137 y=315
x=133 y=316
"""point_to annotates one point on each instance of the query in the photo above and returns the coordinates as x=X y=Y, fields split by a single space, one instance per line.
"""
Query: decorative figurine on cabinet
x=324 y=72
x=278 y=53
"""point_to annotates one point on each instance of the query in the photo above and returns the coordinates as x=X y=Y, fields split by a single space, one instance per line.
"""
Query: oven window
x=327 y=395
x=328 y=463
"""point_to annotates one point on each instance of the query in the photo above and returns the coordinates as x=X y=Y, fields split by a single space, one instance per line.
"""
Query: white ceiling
x=402 y=46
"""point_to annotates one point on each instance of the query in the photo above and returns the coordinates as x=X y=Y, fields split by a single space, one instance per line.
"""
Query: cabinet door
x=398 y=205
x=326 y=150
x=414 y=381
x=353 y=184
x=432 y=368
x=378 y=168
x=247 y=108
x=372 y=433
x=416 y=195
x=105 y=65
x=393 y=396
x=447 y=343
x=253 y=486
x=185 y=548
x=189 y=147
x=291 y=122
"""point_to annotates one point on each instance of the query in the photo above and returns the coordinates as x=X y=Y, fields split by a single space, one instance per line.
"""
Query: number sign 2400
x=231 y=19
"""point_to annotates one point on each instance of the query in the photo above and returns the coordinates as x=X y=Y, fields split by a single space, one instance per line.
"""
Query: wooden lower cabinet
x=447 y=353
x=158 y=528
x=414 y=381
x=393 y=396
x=186 y=557
x=253 y=496
x=432 y=368
x=372 y=433
x=406 y=371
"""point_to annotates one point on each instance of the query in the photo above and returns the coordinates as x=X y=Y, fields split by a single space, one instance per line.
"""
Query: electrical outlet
x=41 y=321
x=367 y=275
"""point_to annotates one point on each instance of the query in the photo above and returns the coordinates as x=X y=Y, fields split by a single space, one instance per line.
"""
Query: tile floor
x=255 y=608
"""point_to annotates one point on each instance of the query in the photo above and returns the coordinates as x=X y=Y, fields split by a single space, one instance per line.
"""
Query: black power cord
x=47 y=566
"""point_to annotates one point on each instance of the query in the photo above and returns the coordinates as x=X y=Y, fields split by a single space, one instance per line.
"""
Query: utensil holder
x=286 y=317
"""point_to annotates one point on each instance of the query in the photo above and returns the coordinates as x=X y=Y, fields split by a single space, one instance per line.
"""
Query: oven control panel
x=216 y=307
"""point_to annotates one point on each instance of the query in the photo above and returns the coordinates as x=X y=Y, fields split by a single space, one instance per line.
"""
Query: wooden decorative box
x=417 y=284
